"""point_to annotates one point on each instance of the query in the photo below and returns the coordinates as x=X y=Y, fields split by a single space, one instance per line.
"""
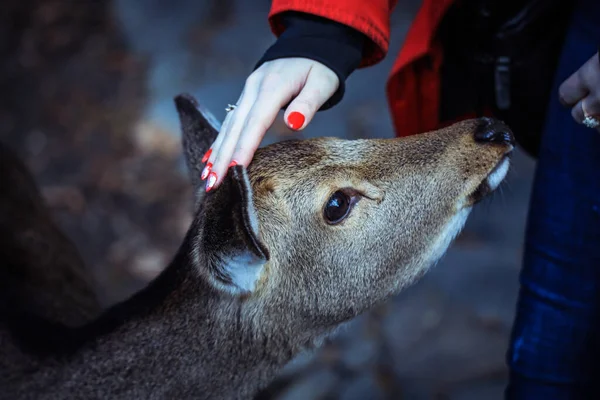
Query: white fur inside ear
x=244 y=271
x=244 y=268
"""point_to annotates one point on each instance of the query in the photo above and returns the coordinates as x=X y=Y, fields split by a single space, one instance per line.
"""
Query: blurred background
x=86 y=97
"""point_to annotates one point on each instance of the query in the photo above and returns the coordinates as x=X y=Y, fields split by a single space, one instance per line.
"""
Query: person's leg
x=553 y=350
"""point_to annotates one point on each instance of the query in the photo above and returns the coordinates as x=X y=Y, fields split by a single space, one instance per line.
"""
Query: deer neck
x=180 y=335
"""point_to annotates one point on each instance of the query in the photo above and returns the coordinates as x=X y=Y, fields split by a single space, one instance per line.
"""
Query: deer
x=311 y=234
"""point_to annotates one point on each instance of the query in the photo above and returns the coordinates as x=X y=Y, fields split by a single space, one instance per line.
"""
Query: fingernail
x=233 y=163
x=206 y=171
x=206 y=155
x=295 y=120
x=212 y=178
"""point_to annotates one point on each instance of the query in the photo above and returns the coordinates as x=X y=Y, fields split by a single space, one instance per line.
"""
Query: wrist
x=332 y=44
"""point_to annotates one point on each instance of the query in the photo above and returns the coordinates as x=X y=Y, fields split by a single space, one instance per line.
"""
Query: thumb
x=319 y=87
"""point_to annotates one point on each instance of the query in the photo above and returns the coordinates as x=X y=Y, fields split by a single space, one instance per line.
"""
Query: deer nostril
x=493 y=131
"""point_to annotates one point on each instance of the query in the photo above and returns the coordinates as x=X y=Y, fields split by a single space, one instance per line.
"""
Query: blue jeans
x=553 y=351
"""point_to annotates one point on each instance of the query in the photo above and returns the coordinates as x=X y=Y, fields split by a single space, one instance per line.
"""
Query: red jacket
x=413 y=87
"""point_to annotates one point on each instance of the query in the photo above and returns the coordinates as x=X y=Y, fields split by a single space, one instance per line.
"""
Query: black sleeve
x=335 y=45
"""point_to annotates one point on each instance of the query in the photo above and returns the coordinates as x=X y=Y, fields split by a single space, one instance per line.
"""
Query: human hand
x=581 y=91
x=309 y=83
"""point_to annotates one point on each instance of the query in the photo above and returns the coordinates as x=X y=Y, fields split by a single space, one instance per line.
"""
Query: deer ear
x=199 y=129
x=231 y=236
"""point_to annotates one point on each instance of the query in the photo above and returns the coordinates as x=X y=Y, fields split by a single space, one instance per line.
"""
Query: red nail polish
x=233 y=163
x=206 y=155
x=295 y=120
x=206 y=171
x=212 y=179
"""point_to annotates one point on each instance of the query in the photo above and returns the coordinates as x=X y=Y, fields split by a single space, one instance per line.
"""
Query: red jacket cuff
x=372 y=18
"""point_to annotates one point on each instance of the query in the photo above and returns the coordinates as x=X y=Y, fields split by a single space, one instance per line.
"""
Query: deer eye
x=338 y=207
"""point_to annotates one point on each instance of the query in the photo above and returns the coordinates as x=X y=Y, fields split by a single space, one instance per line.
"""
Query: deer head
x=322 y=229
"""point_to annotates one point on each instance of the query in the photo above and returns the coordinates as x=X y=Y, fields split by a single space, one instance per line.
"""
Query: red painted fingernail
x=212 y=178
x=206 y=155
x=295 y=120
x=206 y=171
x=231 y=164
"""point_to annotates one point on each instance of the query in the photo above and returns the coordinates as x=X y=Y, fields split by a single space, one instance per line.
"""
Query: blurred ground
x=86 y=97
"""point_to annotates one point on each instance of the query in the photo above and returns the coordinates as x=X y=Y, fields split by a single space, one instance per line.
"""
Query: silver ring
x=230 y=107
x=591 y=122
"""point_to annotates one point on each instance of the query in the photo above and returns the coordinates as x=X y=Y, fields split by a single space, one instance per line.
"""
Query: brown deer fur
x=260 y=274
